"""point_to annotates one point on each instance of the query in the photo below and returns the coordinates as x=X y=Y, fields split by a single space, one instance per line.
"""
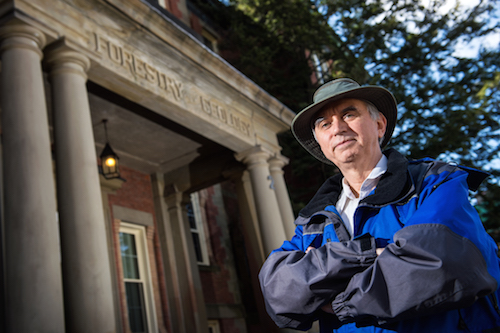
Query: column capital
x=21 y=36
x=174 y=197
x=254 y=156
x=60 y=57
x=278 y=161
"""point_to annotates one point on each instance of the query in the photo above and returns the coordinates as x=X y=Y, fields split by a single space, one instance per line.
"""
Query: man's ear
x=381 y=125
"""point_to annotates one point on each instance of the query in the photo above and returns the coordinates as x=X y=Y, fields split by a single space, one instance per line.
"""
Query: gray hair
x=375 y=114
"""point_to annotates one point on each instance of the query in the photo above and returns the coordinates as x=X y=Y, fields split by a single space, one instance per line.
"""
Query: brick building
x=172 y=242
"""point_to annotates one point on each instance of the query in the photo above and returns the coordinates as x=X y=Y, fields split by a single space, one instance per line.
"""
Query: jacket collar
x=394 y=185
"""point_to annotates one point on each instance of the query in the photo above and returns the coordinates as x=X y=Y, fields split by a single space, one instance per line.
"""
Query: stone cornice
x=172 y=33
x=137 y=51
x=68 y=18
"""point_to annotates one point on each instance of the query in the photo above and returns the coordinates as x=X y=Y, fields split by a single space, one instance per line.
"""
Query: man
x=388 y=245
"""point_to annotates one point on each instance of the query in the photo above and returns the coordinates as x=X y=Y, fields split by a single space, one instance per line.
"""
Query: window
x=197 y=230
x=137 y=279
x=321 y=68
x=163 y=3
x=213 y=326
x=210 y=40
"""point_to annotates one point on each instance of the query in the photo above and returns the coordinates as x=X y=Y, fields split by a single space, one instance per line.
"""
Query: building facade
x=175 y=242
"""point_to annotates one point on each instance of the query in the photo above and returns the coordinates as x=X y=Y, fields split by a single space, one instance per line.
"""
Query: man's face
x=347 y=134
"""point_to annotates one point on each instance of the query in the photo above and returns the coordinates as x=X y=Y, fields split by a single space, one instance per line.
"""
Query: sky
x=471 y=49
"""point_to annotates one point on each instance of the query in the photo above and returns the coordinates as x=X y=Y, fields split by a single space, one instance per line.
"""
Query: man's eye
x=324 y=124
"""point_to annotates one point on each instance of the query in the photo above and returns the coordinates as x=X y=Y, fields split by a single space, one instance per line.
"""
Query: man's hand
x=328 y=307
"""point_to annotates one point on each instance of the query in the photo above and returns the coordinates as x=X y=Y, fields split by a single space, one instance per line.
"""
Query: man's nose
x=338 y=126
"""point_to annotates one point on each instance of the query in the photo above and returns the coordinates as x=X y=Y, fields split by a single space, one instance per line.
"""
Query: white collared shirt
x=347 y=203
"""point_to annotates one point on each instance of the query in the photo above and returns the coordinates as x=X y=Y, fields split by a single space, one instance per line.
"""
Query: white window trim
x=320 y=68
x=200 y=229
x=162 y=3
x=214 y=325
x=144 y=270
x=212 y=38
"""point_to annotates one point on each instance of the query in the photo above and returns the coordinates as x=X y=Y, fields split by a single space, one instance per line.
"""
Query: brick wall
x=227 y=282
x=137 y=193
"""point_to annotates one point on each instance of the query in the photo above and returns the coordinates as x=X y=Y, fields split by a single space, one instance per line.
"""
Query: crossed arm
x=328 y=307
x=407 y=276
x=428 y=268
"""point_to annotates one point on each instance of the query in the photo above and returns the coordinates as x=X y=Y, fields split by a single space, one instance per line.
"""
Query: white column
x=276 y=164
x=248 y=212
x=85 y=259
x=268 y=211
x=34 y=300
x=169 y=255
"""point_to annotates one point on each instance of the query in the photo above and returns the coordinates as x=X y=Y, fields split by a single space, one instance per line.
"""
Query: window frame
x=213 y=326
x=199 y=230
x=209 y=37
x=163 y=4
x=139 y=233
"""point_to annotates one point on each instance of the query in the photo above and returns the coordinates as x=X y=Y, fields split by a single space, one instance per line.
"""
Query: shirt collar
x=369 y=183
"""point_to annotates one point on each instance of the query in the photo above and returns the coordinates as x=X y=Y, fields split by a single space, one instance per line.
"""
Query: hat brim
x=378 y=96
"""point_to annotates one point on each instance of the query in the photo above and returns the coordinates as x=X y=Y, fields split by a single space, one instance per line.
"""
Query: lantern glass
x=109 y=163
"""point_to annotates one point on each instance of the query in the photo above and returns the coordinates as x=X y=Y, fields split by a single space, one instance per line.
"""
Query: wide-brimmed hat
x=336 y=90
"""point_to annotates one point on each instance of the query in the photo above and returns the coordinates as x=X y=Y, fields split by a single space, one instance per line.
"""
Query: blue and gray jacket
x=439 y=271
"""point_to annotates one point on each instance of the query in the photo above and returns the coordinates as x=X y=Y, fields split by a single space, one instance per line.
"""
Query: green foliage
x=449 y=106
x=266 y=44
x=488 y=207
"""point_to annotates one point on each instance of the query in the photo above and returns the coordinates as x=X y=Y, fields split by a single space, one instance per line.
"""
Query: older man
x=388 y=245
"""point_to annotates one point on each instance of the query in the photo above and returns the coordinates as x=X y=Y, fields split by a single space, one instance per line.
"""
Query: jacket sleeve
x=295 y=284
x=441 y=260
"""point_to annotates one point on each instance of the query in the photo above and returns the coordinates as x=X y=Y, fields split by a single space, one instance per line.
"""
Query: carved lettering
x=221 y=113
x=175 y=87
x=151 y=74
x=142 y=69
x=234 y=121
x=225 y=116
x=205 y=105
x=137 y=67
x=128 y=61
x=115 y=53
x=162 y=81
x=100 y=43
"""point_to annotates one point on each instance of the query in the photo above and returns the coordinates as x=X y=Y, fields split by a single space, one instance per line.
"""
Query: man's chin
x=344 y=157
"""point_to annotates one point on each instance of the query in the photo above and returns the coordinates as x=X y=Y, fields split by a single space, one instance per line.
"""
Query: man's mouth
x=343 y=143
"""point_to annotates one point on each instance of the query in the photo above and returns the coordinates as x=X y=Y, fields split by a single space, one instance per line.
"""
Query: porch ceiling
x=143 y=140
